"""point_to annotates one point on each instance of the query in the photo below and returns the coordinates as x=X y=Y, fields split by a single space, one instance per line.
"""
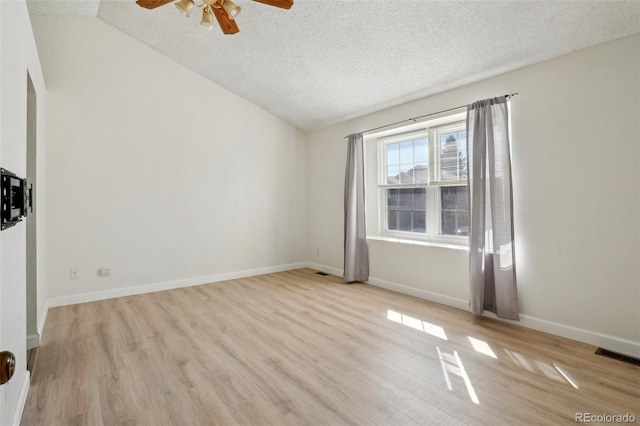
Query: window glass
x=455 y=210
x=406 y=162
x=424 y=183
x=453 y=155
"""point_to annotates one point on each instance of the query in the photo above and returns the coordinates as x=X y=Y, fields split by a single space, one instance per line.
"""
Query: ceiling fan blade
x=152 y=4
x=227 y=24
x=283 y=4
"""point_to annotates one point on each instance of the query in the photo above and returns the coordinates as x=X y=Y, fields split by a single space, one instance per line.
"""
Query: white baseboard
x=43 y=320
x=22 y=399
x=422 y=294
x=167 y=285
x=326 y=269
x=400 y=288
x=33 y=341
x=612 y=343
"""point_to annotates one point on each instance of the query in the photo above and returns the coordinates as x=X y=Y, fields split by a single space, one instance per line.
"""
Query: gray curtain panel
x=356 y=255
x=492 y=264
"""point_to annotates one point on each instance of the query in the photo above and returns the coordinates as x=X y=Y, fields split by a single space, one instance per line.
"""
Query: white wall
x=17 y=55
x=157 y=173
x=122 y=118
x=576 y=174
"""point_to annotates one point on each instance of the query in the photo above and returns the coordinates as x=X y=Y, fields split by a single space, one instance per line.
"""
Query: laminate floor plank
x=298 y=348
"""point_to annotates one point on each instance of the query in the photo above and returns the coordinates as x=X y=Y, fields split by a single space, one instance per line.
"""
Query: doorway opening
x=33 y=339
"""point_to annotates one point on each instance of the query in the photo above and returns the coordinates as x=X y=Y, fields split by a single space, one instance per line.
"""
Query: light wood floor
x=300 y=348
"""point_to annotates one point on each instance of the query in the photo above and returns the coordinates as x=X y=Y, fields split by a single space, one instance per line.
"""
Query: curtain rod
x=423 y=116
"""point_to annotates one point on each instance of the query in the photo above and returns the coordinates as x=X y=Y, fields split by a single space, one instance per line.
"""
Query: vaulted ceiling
x=324 y=61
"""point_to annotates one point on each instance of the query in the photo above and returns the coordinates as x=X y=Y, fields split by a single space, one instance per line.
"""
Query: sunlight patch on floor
x=417 y=324
x=482 y=347
x=519 y=360
x=453 y=364
x=566 y=376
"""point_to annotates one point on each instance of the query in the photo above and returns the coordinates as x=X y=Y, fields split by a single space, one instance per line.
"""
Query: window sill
x=451 y=246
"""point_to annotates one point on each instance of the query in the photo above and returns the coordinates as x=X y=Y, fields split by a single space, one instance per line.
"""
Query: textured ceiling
x=322 y=61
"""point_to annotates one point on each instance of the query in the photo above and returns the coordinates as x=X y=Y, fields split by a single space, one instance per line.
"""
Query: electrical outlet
x=73 y=273
x=317 y=252
x=104 y=272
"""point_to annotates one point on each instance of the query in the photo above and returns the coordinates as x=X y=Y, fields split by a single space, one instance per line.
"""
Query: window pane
x=463 y=224
x=406 y=199
x=406 y=152
x=453 y=158
x=462 y=148
x=404 y=220
x=393 y=156
x=420 y=150
x=421 y=173
x=392 y=198
x=419 y=199
x=392 y=219
x=455 y=210
x=393 y=173
x=462 y=195
x=419 y=221
x=448 y=196
x=449 y=223
x=407 y=162
x=406 y=209
x=455 y=197
x=406 y=173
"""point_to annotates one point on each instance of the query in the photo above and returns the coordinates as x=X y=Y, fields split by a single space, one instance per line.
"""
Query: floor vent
x=619 y=357
x=324 y=274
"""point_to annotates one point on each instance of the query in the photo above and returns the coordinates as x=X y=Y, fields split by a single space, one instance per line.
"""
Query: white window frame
x=432 y=187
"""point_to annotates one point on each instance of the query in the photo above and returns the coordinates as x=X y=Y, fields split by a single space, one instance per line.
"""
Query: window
x=423 y=184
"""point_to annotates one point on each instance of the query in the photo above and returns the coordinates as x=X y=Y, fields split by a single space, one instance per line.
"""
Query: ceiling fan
x=225 y=11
